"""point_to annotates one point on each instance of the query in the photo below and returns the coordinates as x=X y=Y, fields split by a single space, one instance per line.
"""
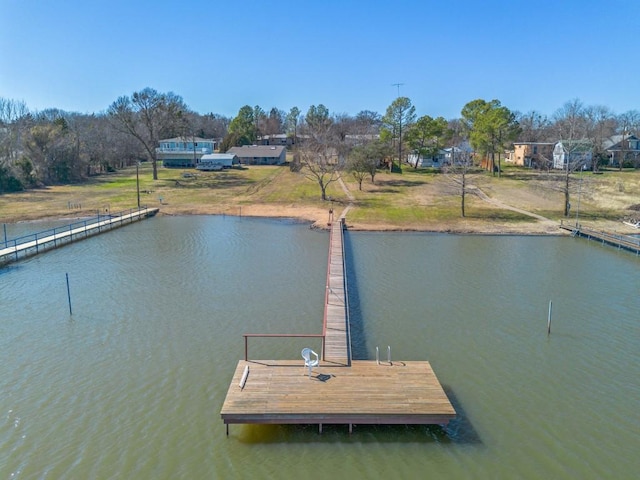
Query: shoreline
x=315 y=223
x=317 y=218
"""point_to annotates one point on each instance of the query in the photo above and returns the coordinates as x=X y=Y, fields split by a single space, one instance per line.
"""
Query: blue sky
x=531 y=55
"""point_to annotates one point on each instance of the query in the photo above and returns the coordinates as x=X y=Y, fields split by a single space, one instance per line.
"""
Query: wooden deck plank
x=337 y=342
x=278 y=391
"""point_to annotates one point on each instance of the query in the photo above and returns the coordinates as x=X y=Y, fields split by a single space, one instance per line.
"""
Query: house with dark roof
x=622 y=148
x=278 y=139
x=259 y=154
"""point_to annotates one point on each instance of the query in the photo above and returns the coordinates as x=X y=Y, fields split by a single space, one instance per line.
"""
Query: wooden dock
x=280 y=392
x=29 y=245
x=623 y=242
x=337 y=337
x=339 y=390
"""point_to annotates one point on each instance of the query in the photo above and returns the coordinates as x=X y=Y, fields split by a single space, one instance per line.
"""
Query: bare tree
x=317 y=157
x=365 y=159
x=52 y=147
x=148 y=116
x=210 y=125
x=367 y=122
x=14 y=123
x=534 y=127
x=600 y=125
x=571 y=127
x=274 y=123
x=457 y=170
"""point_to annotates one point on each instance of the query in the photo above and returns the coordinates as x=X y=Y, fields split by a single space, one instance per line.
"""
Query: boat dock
x=280 y=392
x=339 y=390
x=623 y=242
x=337 y=337
x=32 y=244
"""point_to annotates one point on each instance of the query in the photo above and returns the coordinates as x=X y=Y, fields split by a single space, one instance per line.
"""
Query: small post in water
x=549 y=319
x=377 y=356
x=69 y=294
x=389 y=354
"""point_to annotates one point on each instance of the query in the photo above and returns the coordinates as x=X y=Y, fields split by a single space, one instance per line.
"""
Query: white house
x=436 y=161
x=576 y=153
x=445 y=156
x=217 y=161
x=184 y=151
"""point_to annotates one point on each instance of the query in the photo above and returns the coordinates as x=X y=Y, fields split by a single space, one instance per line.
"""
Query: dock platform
x=29 y=245
x=622 y=242
x=281 y=392
x=339 y=390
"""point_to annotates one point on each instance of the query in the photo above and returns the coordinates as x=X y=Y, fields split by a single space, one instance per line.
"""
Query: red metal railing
x=278 y=335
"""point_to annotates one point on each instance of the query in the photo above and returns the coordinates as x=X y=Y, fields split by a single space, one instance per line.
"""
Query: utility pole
x=397 y=85
x=138 y=183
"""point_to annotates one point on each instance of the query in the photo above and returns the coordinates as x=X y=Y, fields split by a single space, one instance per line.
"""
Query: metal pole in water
x=377 y=356
x=549 y=319
x=389 y=354
x=138 y=184
x=69 y=294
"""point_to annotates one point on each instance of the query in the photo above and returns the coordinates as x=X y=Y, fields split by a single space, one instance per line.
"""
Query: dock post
x=549 y=319
x=69 y=294
x=389 y=354
x=377 y=356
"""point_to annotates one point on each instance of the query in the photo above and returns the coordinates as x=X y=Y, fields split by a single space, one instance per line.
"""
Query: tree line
x=53 y=146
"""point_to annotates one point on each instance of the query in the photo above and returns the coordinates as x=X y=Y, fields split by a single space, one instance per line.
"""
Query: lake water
x=131 y=385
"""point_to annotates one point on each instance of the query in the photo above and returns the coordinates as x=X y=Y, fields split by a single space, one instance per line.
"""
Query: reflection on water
x=132 y=384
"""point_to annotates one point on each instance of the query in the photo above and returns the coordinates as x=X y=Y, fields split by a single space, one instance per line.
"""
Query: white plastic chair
x=308 y=361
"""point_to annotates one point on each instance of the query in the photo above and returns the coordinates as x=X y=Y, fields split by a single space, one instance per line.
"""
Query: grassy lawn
x=415 y=199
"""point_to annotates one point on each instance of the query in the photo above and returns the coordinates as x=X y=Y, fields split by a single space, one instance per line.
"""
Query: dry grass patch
x=413 y=200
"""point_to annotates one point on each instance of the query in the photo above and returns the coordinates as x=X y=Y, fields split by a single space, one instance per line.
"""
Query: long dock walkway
x=337 y=338
x=339 y=390
x=624 y=242
x=29 y=245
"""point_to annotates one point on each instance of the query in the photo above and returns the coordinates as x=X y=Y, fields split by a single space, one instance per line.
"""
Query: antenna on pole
x=397 y=85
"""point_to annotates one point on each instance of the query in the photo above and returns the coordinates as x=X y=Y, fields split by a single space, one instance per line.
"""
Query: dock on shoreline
x=338 y=389
x=622 y=242
x=28 y=245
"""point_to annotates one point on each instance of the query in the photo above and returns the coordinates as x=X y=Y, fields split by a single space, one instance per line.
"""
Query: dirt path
x=474 y=190
x=349 y=195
